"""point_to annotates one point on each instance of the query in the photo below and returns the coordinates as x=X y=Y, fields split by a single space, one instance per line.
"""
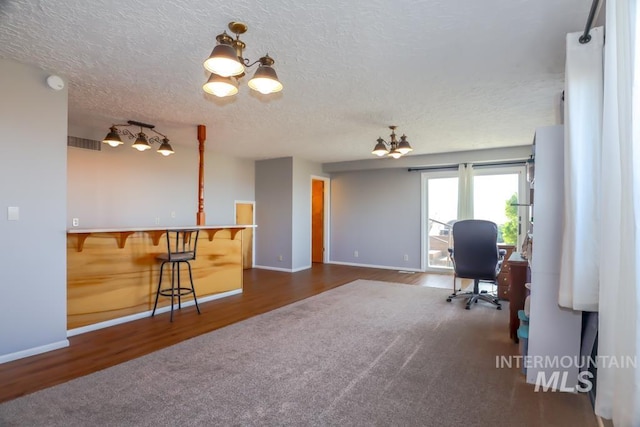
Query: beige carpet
x=364 y=354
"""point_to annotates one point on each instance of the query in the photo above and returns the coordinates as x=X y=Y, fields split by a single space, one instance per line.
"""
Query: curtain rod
x=475 y=165
x=595 y=8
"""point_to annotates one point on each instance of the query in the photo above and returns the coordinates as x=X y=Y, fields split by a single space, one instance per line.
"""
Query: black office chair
x=475 y=255
x=181 y=248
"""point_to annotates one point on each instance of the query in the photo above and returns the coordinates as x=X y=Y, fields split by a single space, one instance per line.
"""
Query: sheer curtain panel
x=618 y=384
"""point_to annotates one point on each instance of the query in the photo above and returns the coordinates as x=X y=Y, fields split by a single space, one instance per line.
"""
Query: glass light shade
x=221 y=86
x=265 y=80
x=380 y=150
x=141 y=143
x=404 y=147
x=395 y=154
x=165 y=148
x=224 y=61
x=112 y=138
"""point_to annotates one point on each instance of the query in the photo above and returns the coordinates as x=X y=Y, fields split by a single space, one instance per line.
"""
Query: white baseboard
x=132 y=317
x=286 y=270
x=33 y=351
x=267 y=267
x=385 y=267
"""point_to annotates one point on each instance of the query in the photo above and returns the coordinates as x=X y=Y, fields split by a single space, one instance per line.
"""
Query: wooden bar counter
x=112 y=274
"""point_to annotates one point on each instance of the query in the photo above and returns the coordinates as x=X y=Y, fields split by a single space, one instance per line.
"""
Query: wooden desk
x=518 y=273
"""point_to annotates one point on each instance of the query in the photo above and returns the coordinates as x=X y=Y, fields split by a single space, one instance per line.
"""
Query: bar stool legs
x=176 y=290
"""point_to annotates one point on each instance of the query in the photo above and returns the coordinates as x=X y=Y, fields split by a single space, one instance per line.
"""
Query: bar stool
x=181 y=248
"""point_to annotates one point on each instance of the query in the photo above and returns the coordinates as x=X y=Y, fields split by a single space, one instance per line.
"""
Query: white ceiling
x=451 y=74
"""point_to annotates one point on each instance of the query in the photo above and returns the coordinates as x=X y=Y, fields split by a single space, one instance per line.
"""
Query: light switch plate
x=13 y=213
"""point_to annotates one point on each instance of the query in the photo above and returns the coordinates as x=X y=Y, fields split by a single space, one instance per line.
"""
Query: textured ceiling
x=452 y=75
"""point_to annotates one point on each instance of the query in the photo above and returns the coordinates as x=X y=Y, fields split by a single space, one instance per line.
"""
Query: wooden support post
x=202 y=136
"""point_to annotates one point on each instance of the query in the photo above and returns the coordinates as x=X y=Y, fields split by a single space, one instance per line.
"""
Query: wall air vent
x=87 y=144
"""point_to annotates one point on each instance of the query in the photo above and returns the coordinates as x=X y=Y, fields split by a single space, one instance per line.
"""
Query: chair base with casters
x=183 y=252
x=475 y=295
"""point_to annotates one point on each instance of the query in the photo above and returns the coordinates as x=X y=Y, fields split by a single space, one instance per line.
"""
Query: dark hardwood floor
x=263 y=291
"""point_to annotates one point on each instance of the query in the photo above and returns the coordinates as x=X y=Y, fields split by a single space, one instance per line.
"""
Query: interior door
x=317 y=220
x=245 y=216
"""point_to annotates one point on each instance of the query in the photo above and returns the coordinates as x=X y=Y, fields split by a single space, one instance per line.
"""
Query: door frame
x=253 y=221
x=523 y=193
x=424 y=215
x=326 y=211
x=479 y=169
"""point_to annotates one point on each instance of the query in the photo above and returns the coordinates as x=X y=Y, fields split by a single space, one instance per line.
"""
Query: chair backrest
x=182 y=244
x=475 y=249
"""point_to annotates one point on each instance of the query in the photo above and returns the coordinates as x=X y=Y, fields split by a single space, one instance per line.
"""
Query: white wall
x=33 y=123
x=121 y=187
x=554 y=331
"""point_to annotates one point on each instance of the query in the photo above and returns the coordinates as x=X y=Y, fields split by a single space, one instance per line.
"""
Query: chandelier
x=227 y=65
x=142 y=142
x=393 y=148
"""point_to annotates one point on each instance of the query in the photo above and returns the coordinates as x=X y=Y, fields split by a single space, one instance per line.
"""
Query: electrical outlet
x=75 y=222
x=157 y=220
x=279 y=257
x=173 y=214
x=355 y=254
x=406 y=257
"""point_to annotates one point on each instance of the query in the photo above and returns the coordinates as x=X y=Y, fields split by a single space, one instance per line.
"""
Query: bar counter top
x=76 y=230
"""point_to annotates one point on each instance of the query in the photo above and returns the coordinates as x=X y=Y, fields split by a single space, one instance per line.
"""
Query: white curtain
x=618 y=387
x=583 y=131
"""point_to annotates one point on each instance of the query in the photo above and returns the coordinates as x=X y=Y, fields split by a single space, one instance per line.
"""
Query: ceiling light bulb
x=265 y=86
x=141 y=143
x=380 y=150
x=221 y=86
x=265 y=80
x=224 y=61
x=112 y=138
x=395 y=154
x=165 y=148
x=404 y=147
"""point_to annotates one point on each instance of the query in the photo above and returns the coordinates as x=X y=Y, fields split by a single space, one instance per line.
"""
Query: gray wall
x=303 y=170
x=274 y=210
x=377 y=214
x=121 y=187
x=376 y=205
x=283 y=213
x=33 y=120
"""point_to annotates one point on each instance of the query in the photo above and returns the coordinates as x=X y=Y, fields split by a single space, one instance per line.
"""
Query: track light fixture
x=227 y=65
x=142 y=142
x=393 y=148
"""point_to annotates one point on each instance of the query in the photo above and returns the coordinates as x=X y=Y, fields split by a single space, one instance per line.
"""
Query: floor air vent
x=87 y=144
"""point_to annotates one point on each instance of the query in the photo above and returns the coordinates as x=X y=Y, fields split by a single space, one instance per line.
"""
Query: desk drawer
x=503 y=286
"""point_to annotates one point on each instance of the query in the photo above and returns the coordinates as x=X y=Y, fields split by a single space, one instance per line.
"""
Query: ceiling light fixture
x=142 y=142
x=227 y=65
x=393 y=148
